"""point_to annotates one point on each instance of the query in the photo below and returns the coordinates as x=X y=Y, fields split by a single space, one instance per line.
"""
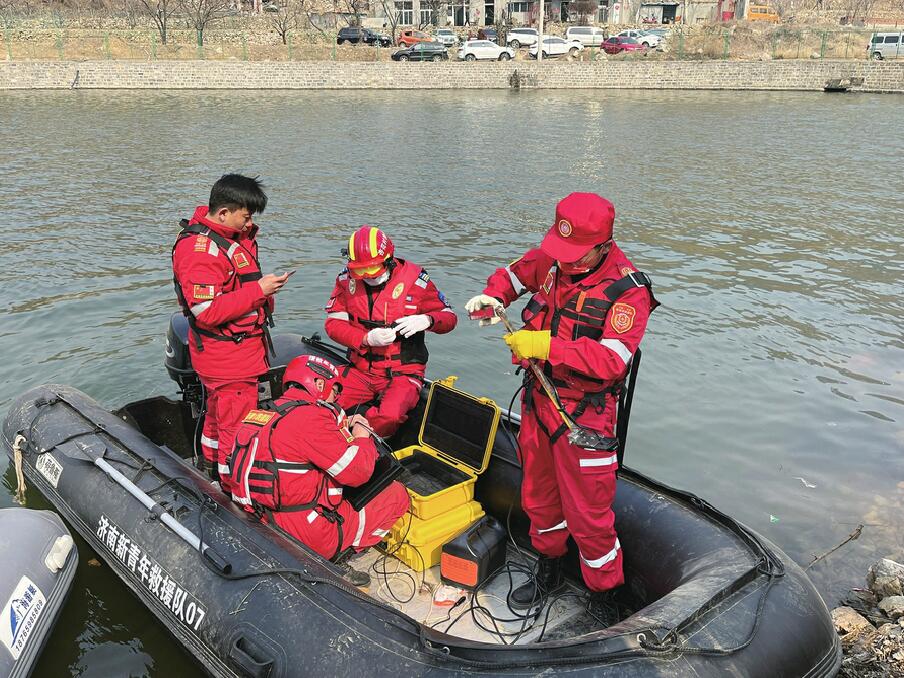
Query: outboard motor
x=287 y=346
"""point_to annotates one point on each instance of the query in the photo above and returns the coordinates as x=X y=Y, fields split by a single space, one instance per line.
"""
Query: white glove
x=482 y=301
x=380 y=336
x=412 y=324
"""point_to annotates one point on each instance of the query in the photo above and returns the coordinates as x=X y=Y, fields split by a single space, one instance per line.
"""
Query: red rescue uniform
x=568 y=489
x=299 y=468
x=392 y=374
x=216 y=272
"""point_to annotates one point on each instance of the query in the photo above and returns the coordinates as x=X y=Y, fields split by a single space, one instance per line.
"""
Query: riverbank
x=792 y=75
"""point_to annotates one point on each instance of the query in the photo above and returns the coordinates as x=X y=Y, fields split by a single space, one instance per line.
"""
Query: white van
x=886 y=46
x=589 y=36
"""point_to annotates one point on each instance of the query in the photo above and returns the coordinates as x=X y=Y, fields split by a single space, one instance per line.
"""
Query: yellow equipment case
x=454 y=447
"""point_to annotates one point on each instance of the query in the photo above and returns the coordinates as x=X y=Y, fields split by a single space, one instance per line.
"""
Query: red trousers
x=570 y=490
x=397 y=396
x=359 y=529
x=227 y=403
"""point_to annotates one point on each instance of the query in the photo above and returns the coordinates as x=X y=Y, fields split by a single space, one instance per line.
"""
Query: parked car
x=356 y=34
x=645 y=38
x=762 y=13
x=553 y=47
x=487 y=33
x=473 y=50
x=886 y=46
x=521 y=37
x=589 y=36
x=620 y=43
x=422 y=51
x=411 y=37
x=663 y=33
x=446 y=36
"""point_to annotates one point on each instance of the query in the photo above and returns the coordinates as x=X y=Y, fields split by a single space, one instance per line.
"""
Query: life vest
x=380 y=307
x=245 y=270
x=261 y=480
x=582 y=315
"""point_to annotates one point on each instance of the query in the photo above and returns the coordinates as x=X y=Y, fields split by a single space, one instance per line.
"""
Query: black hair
x=235 y=191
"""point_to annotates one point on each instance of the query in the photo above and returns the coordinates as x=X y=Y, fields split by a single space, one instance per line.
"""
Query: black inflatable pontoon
x=711 y=597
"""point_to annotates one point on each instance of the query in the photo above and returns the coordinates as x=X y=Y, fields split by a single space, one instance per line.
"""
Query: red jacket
x=592 y=338
x=314 y=455
x=355 y=308
x=225 y=300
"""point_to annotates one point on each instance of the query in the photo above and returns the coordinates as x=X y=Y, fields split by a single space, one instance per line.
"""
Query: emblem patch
x=397 y=291
x=259 y=417
x=625 y=270
x=547 y=284
x=351 y=285
x=622 y=318
x=241 y=261
x=565 y=229
x=203 y=292
x=330 y=303
x=201 y=243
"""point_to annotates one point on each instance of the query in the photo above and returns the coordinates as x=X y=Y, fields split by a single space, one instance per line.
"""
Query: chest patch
x=397 y=291
x=203 y=292
x=351 y=286
x=547 y=284
x=241 y=261
x=622 y=317
x=259 y=417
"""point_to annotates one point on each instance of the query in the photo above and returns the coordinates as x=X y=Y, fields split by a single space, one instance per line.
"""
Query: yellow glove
x=529 y=344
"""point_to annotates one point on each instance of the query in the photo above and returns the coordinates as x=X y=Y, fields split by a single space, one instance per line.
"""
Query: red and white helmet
x=369 y=252
x=304 y=370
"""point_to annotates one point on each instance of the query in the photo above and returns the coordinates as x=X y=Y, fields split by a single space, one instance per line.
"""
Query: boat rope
x=20 y=477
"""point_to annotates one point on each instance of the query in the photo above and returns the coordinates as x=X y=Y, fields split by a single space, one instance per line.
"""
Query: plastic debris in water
x=773 y=519
x=809 y=486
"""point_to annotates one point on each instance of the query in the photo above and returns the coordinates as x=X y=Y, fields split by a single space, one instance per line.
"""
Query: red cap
x=582 y=221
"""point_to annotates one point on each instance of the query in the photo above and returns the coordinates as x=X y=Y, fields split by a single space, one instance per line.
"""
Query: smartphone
x=289 y=274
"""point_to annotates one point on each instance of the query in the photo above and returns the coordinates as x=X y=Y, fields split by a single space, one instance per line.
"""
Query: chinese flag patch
x=203 y=292
x=241 y=261
x=259 y=417
x=622 y=318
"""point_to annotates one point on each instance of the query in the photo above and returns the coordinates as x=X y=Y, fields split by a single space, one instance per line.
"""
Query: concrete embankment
x=803 y=75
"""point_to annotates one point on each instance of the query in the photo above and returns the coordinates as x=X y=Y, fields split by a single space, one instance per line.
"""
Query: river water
x=772 y=381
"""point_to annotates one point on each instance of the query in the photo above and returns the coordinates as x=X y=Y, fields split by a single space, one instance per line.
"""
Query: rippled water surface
x=773 y=375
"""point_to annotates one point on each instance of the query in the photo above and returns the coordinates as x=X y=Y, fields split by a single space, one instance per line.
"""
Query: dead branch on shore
x=851 y=537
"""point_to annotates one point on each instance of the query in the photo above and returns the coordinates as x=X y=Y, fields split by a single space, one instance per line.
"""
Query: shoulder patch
x=201 y=243
x=259 y=417
x=423 y=276
x=241 y=261
x=343 y=274
x=442 y=298
x=626 y=270
x=622 y=317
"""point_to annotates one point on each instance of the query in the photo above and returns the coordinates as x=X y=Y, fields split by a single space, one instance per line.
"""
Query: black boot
x=604 y=608
x=350 y=574
x=546 y=580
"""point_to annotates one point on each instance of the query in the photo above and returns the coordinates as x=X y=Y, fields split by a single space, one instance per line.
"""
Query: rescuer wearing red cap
x=583 y=323
x=294 y=473
x=380 y=309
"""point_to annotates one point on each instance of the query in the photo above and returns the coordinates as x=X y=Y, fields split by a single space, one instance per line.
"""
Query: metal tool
x=579 y=436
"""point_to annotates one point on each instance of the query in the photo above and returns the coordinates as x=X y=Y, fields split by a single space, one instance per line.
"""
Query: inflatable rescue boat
x=704 y=595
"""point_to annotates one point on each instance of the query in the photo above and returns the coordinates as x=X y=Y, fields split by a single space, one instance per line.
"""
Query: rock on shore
x=871 y=625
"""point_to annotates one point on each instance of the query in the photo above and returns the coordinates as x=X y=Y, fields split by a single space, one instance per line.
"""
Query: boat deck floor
x=412 y=592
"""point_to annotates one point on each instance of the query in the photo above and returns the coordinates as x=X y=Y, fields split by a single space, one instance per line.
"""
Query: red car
x=620 y=43
x=409 y=37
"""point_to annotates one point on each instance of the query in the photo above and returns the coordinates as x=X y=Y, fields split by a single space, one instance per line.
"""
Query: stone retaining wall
x=801 y=75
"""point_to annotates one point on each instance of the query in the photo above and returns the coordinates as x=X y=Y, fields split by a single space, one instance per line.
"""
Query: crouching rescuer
x=380 y=309
x=583 y=323
x=291 y=463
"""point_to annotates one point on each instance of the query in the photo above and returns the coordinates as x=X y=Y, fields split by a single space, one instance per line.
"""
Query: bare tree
x=582 y=9
x=355 y=8
x=435 y=7
x=201 y=12
x=391 y=12
x=160 y=12
x=286 y=18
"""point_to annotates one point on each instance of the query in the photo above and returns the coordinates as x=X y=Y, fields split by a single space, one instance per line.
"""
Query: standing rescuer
x=228 y=303
x=291 y=463
x=380 y=309
x=586 y=318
